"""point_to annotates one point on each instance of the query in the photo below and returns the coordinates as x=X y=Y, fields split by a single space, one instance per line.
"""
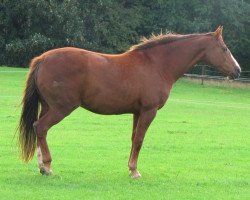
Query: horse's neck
x=178 y=57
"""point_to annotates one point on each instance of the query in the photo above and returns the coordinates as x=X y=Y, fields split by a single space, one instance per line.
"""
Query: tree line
x=30 y=27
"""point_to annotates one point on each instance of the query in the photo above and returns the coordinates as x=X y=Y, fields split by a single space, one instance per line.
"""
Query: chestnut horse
x=137 y=82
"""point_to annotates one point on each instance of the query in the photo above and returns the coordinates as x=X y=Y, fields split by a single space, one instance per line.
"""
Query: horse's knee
x=138 y=144
x=133 y=135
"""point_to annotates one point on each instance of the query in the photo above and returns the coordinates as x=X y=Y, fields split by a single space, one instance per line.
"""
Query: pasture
x=198 y=147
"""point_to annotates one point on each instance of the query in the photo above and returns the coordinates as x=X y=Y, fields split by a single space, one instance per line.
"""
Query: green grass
x=198 y=147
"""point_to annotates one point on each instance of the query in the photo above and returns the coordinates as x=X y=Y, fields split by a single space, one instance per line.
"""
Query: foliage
x=30 y=27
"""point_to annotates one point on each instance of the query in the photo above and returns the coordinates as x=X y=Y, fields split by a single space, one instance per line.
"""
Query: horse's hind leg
x=44 y=110
x=41 y=126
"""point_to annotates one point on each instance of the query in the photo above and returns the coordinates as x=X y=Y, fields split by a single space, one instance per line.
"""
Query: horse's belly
x=108 y=108
x=109 y=99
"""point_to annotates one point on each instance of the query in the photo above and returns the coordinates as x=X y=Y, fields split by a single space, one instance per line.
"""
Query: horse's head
x=218 y=55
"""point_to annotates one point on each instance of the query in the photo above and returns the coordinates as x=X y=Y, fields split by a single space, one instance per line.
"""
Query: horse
x=137 y=81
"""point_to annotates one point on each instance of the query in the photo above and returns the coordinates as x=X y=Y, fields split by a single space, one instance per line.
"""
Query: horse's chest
x=156 y=98
x=163 y=96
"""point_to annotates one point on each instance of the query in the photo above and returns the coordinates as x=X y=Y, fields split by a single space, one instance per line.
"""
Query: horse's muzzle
x=235 y=74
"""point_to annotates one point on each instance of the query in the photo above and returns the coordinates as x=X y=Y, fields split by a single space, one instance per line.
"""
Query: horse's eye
x=225 y=49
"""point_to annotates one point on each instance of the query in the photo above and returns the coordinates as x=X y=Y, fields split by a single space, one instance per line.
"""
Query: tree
x=30 y=27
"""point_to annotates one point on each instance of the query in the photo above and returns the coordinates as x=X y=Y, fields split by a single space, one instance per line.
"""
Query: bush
x=30 y=27
x=20 y=52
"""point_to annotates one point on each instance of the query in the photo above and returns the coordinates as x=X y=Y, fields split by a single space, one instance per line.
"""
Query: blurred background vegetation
x=30 y=27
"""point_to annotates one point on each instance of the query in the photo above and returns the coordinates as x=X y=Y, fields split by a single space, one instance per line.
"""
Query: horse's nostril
x=238 y=70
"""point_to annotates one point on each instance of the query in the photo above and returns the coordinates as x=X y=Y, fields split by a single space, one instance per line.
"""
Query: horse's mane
x=161 y=38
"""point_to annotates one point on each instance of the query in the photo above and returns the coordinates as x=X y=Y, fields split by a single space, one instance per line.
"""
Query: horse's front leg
x=144 y=120
x=135 y=122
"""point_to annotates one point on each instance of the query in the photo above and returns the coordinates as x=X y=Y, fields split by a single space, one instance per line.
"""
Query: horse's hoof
x=45 y=172
x=135 y=174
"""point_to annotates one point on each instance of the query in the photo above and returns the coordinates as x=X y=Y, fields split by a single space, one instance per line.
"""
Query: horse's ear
x=218 y=32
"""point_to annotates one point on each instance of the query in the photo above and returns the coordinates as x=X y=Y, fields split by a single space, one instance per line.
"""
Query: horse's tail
x=30 y=109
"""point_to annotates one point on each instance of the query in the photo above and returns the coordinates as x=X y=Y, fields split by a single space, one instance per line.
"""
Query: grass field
x=198 y=147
